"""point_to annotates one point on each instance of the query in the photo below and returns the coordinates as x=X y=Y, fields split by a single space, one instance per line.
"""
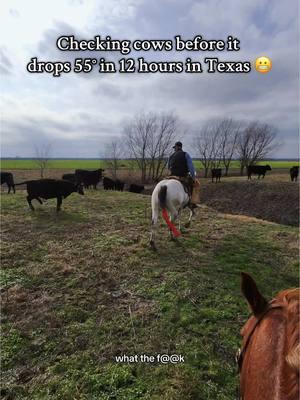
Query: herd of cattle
x=259 y=170
x=70 y=183
x=92 y=178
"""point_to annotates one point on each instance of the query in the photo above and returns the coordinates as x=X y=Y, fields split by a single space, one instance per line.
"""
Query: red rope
x=165 y=215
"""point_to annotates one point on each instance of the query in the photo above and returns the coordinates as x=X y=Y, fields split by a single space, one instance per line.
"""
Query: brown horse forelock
x=290 y=301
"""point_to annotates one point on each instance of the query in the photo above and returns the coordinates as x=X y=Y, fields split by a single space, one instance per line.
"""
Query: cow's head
x=79 y=188
x=268 y=168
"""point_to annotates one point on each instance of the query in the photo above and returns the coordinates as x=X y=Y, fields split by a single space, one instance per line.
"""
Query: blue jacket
x=189 y=165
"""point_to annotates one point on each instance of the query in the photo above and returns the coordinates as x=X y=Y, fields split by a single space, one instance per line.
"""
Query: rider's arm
x=190 y=165
x=168 y=163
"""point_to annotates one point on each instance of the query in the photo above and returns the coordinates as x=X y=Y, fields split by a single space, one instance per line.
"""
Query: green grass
x=73 y=164
x=53 y=164
x=83 y=287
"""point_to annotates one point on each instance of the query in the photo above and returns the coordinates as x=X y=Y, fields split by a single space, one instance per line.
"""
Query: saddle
x=192 y=188
x=185 y=181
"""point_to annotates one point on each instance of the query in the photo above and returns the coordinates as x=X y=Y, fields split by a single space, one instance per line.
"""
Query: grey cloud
x=4 y=70
x=47 y=45
x=14 y=13
x=85 y=113
x=6 y=65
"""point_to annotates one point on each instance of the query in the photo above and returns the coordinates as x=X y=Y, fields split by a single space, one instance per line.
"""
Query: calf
x=136 y=188
x=49 y=189
x=88 y=178
x=8 y=178
x=70 y=177
x=108 y=184
x=216 y=173
x=294 y=172
x=259 y=170
x=119 y=185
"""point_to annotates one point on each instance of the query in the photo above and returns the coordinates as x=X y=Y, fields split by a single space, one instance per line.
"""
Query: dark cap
x=179 y=144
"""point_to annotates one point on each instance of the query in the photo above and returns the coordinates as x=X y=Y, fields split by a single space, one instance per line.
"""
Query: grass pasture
x=82 y=287
x=94 y=164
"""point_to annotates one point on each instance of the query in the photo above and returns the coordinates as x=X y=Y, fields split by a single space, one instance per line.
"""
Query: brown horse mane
x=290 y=298
x=291 y=302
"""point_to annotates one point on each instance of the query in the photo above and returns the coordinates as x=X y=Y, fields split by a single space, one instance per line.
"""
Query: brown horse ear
x=256 y=301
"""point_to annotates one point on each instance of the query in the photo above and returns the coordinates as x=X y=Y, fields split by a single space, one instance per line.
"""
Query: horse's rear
x=269 y=360
x=168 y=193
x=169 y=196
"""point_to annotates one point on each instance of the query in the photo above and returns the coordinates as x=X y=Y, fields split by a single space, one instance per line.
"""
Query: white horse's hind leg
x=179 y=220
x=173 y=216
x=155 y=211
x=192 y=213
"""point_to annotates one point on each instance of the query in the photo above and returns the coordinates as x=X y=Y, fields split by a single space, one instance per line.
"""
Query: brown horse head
x=269 y=360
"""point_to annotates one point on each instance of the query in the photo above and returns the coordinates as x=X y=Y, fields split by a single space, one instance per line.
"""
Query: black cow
x=8 y=178
x=88 y=178
x=136 y=188
x=119 y=185
x=259 y=170
x=49 y=189
x=294 y=172
x=70 y=177
x=216 y=173
x=108 y=184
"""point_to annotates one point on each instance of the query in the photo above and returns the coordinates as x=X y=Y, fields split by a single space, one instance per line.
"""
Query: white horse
x=169 y=195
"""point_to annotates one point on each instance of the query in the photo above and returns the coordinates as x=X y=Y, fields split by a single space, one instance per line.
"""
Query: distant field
x=73 y=164
x=53 y=164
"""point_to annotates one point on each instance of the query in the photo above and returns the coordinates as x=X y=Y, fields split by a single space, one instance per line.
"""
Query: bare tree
x=160 y=144
x=255 y=142
x=229 y=132
x=149 y=138
x=114 y=153
x=208 y=146
x=42 y=157
x=138 y=133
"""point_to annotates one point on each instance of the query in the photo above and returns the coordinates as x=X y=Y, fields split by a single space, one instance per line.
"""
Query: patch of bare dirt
x=272 y=201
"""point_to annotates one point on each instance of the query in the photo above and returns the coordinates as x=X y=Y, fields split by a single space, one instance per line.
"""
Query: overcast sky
x=78 y=114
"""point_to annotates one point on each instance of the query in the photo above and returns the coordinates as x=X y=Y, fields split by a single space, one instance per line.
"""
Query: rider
x=180 y=164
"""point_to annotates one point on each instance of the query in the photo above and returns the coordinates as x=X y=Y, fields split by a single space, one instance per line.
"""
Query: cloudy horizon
x=79 y=114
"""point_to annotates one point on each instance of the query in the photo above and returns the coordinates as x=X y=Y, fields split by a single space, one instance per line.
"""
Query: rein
x=239 y=358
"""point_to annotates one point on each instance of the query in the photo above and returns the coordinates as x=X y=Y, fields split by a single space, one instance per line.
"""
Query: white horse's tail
x=162 y=197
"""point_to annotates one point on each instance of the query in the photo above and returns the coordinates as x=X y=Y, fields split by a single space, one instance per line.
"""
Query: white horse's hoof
x=152 y=245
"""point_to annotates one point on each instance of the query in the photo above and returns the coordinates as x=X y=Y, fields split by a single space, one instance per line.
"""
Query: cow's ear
x=256 y=301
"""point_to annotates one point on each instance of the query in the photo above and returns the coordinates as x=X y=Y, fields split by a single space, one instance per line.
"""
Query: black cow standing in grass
x=50 y=189
x=70 y=177
x=216 y=173
x=8 y=178
x=136 y=188
x=259 y=170
x=119 y=185
x=294 y=172
x=110 y=184
x=89 y=178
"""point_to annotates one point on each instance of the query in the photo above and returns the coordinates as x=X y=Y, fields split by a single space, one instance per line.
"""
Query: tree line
x=220 y=142
x=148 y=139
